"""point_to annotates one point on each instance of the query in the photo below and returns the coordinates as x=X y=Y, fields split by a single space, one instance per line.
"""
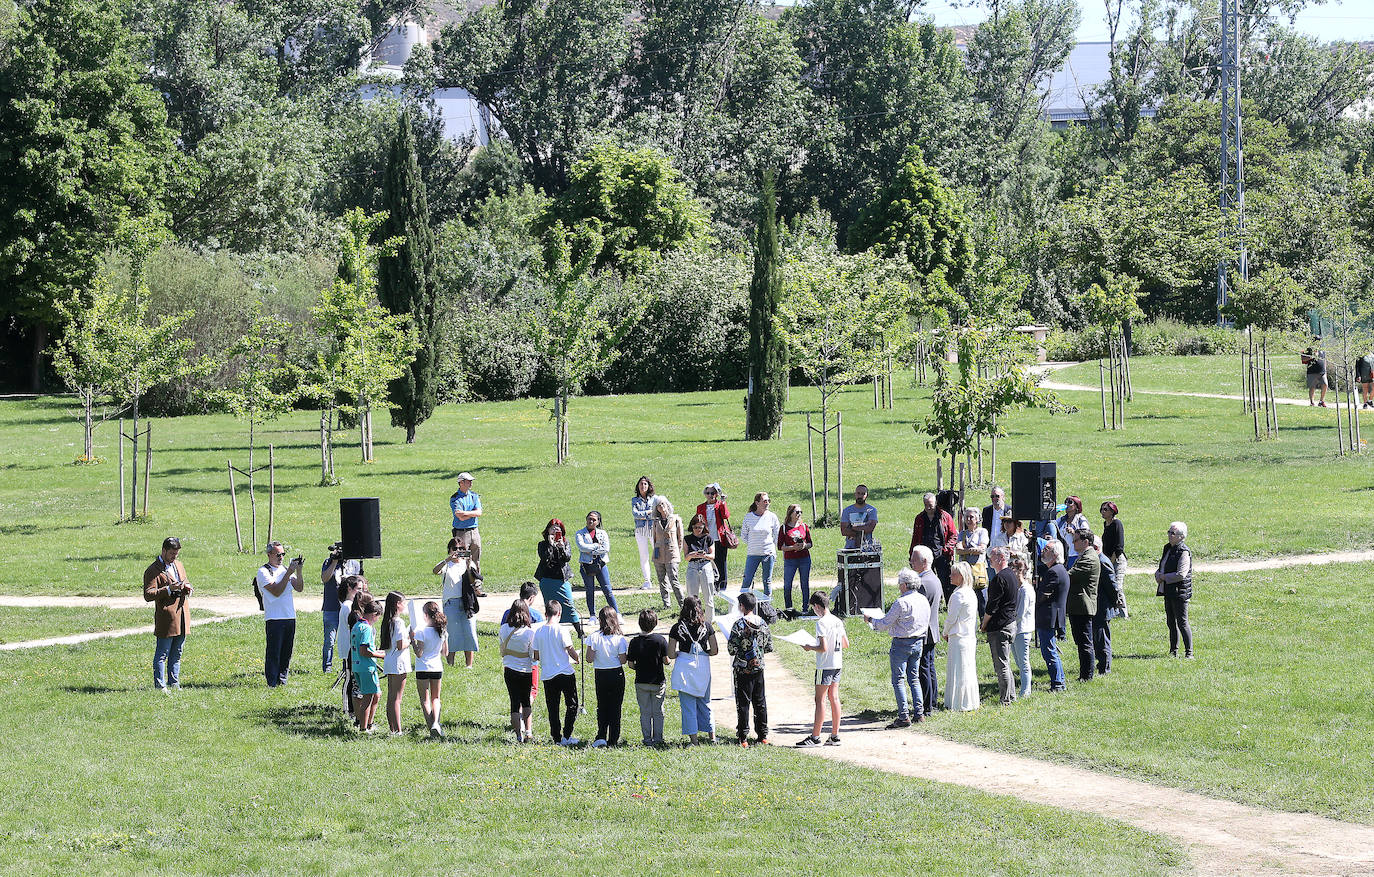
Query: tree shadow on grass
x=317 y=720
x=31 y=529
x=240 y=488
x=452 y=474
x=101 y=689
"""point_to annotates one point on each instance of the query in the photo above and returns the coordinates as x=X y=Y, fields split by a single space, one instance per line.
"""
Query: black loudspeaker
x=360 y=526
x=1034 y=492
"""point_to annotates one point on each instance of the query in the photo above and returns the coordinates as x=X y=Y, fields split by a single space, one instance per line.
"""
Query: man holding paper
x=929 y=585
x=908 y=621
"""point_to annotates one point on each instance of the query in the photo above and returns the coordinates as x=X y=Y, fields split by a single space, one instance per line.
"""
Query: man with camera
x=277 y=584
x=165 y=585
x=332 y=574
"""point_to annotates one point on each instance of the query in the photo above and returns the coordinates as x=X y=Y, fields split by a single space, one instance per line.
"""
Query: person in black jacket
x=1108 y=600
x=1175 y=580
x=999 y=621
x=1051 y=598
x=1082 y=605
x=555 y=572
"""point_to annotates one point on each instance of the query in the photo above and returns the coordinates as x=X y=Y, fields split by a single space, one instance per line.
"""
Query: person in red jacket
x=717 y=516
x=934 y=528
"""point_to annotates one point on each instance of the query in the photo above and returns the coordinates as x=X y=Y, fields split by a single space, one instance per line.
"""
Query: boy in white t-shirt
x=831 y=641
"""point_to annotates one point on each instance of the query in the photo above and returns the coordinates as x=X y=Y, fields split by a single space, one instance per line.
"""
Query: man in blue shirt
x=467 y=508
x=858 y=521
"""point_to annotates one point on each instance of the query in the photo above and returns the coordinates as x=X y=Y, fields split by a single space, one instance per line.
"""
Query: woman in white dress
x=961 y=670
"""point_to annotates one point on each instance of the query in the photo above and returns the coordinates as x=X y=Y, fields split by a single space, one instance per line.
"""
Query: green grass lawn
x=23 y=623
x=1188 y=459
x=1196 y=374
x=229 y=777
x=1274 y=711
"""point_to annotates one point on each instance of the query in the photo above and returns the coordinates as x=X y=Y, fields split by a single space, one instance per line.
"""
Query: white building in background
x=464 y=117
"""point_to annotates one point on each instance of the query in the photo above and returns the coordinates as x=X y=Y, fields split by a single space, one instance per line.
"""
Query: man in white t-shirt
x=278 y=585
x=831 y=640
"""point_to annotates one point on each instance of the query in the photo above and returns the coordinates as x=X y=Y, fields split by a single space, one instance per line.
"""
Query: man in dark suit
x=165 y=586
x=999 y=620
x=992 y=518
x=1051 y=597
x=1108 y=598
x=1082 y=605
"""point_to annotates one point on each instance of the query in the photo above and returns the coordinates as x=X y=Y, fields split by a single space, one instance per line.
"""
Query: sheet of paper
x=872 y=613
x=801 y=638
x=417 y=615
x=725 y=622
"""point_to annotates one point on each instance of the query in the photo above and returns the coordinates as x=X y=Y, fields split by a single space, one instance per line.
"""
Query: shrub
x=1159 y=337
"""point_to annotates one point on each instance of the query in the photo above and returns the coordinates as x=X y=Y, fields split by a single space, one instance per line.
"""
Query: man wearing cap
x=165 y=585
x=467 y=508
x=1082 y=605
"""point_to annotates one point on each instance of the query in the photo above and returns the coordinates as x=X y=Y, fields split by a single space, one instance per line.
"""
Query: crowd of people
x=1021 y=590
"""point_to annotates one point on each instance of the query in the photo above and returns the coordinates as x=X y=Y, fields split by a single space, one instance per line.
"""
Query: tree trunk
x=87 y=443
x=410 y=433
x=252 y=497
x=133 y=493
x=825 y=452
x=40 y=341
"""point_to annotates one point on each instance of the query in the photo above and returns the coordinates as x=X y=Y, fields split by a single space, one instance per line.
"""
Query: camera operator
x=277 y=584
x=332 y=574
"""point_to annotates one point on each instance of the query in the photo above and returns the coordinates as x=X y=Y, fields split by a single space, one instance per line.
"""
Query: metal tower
x=1232 y=155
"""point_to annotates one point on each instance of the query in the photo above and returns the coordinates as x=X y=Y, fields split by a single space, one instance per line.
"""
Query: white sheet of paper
x=872 y=613
x=725 y=622
x=417 y=615
x=801 y=638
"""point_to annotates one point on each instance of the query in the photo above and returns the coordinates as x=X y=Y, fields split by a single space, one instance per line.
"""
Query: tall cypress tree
x=767 y=347
x=406 y=281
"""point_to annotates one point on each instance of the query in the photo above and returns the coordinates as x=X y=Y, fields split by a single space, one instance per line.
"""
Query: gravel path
x=1222 y=837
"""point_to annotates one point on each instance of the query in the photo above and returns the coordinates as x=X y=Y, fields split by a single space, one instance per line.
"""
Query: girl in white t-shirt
x=396 y=644
x=831 y=641
x=607 y=650
x=517 y=666
x=431 y=646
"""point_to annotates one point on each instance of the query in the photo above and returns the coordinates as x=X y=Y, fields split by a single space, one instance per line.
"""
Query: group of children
x=537 y=649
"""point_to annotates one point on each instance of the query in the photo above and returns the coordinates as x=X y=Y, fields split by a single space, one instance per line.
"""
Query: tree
x=634 y=200
x=85 y=146
x=917 y=219
x=1112 y=309
x=1270 y=301
x=767 y=347
x=573 y=327
x=360 y=348
x=407 y=279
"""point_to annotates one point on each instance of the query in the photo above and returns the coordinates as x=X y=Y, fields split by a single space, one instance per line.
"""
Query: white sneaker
x=598 y=744
x=436 y=732
x=647 y=586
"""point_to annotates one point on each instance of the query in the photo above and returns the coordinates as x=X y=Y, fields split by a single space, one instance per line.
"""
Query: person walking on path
x=701 y=568
x=907 y=621
x=648 y=655
x=554 y=573
x=1051 y=604
x=165 y=586
x=607 y=651
x=1315 y=360
x=1082 y=606
x=748 y=642
x=641 y=509
x=831 y=641
x=690 y=642
x=594 y=552
x=961 y=670
x=467 y=510
x=668 y=540
x=554 y=651
x=278 y=585
x=717 y=516
x=929 y=585
x=760 y=535
x=1174 y=578
x=795 y=541
x=999 y=621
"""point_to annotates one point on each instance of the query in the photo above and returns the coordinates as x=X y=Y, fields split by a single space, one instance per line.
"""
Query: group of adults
x=989 y=575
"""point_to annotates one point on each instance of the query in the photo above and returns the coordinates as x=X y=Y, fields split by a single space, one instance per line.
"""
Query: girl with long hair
x=363 y=655
x=517 y=667
x=606 y=650
x=691 y=636
x=396 y=645
x=431 y=646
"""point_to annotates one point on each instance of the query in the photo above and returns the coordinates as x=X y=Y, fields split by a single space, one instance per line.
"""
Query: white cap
x=464 y=476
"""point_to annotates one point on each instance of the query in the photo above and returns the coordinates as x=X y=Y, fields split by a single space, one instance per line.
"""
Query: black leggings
x=518 y=686
x=1176 y=614
x=566 y=687
x=722 y=580
x=610 y=697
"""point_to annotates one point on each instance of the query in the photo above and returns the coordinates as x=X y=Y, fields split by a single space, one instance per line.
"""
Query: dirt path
x=1047 y=368
x=1222 y=837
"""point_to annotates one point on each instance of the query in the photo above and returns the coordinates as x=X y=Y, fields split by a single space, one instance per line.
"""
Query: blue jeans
x=696 y=714
x=281 y=639
x=751 y=563
x=1020 y=649
x=594 y=574
x=1049 y=650
x=905 y=660
x=331 y=630
x=167 y=661
x=930 y=683
x=791 y=566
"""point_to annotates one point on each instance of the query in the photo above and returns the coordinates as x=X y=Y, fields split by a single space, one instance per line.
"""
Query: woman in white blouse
x=760 y=533
x=961 y=670
x=972 y=548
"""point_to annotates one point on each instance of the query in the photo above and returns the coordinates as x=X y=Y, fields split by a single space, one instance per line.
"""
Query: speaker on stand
x=360 y=526
x=1034 y=491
